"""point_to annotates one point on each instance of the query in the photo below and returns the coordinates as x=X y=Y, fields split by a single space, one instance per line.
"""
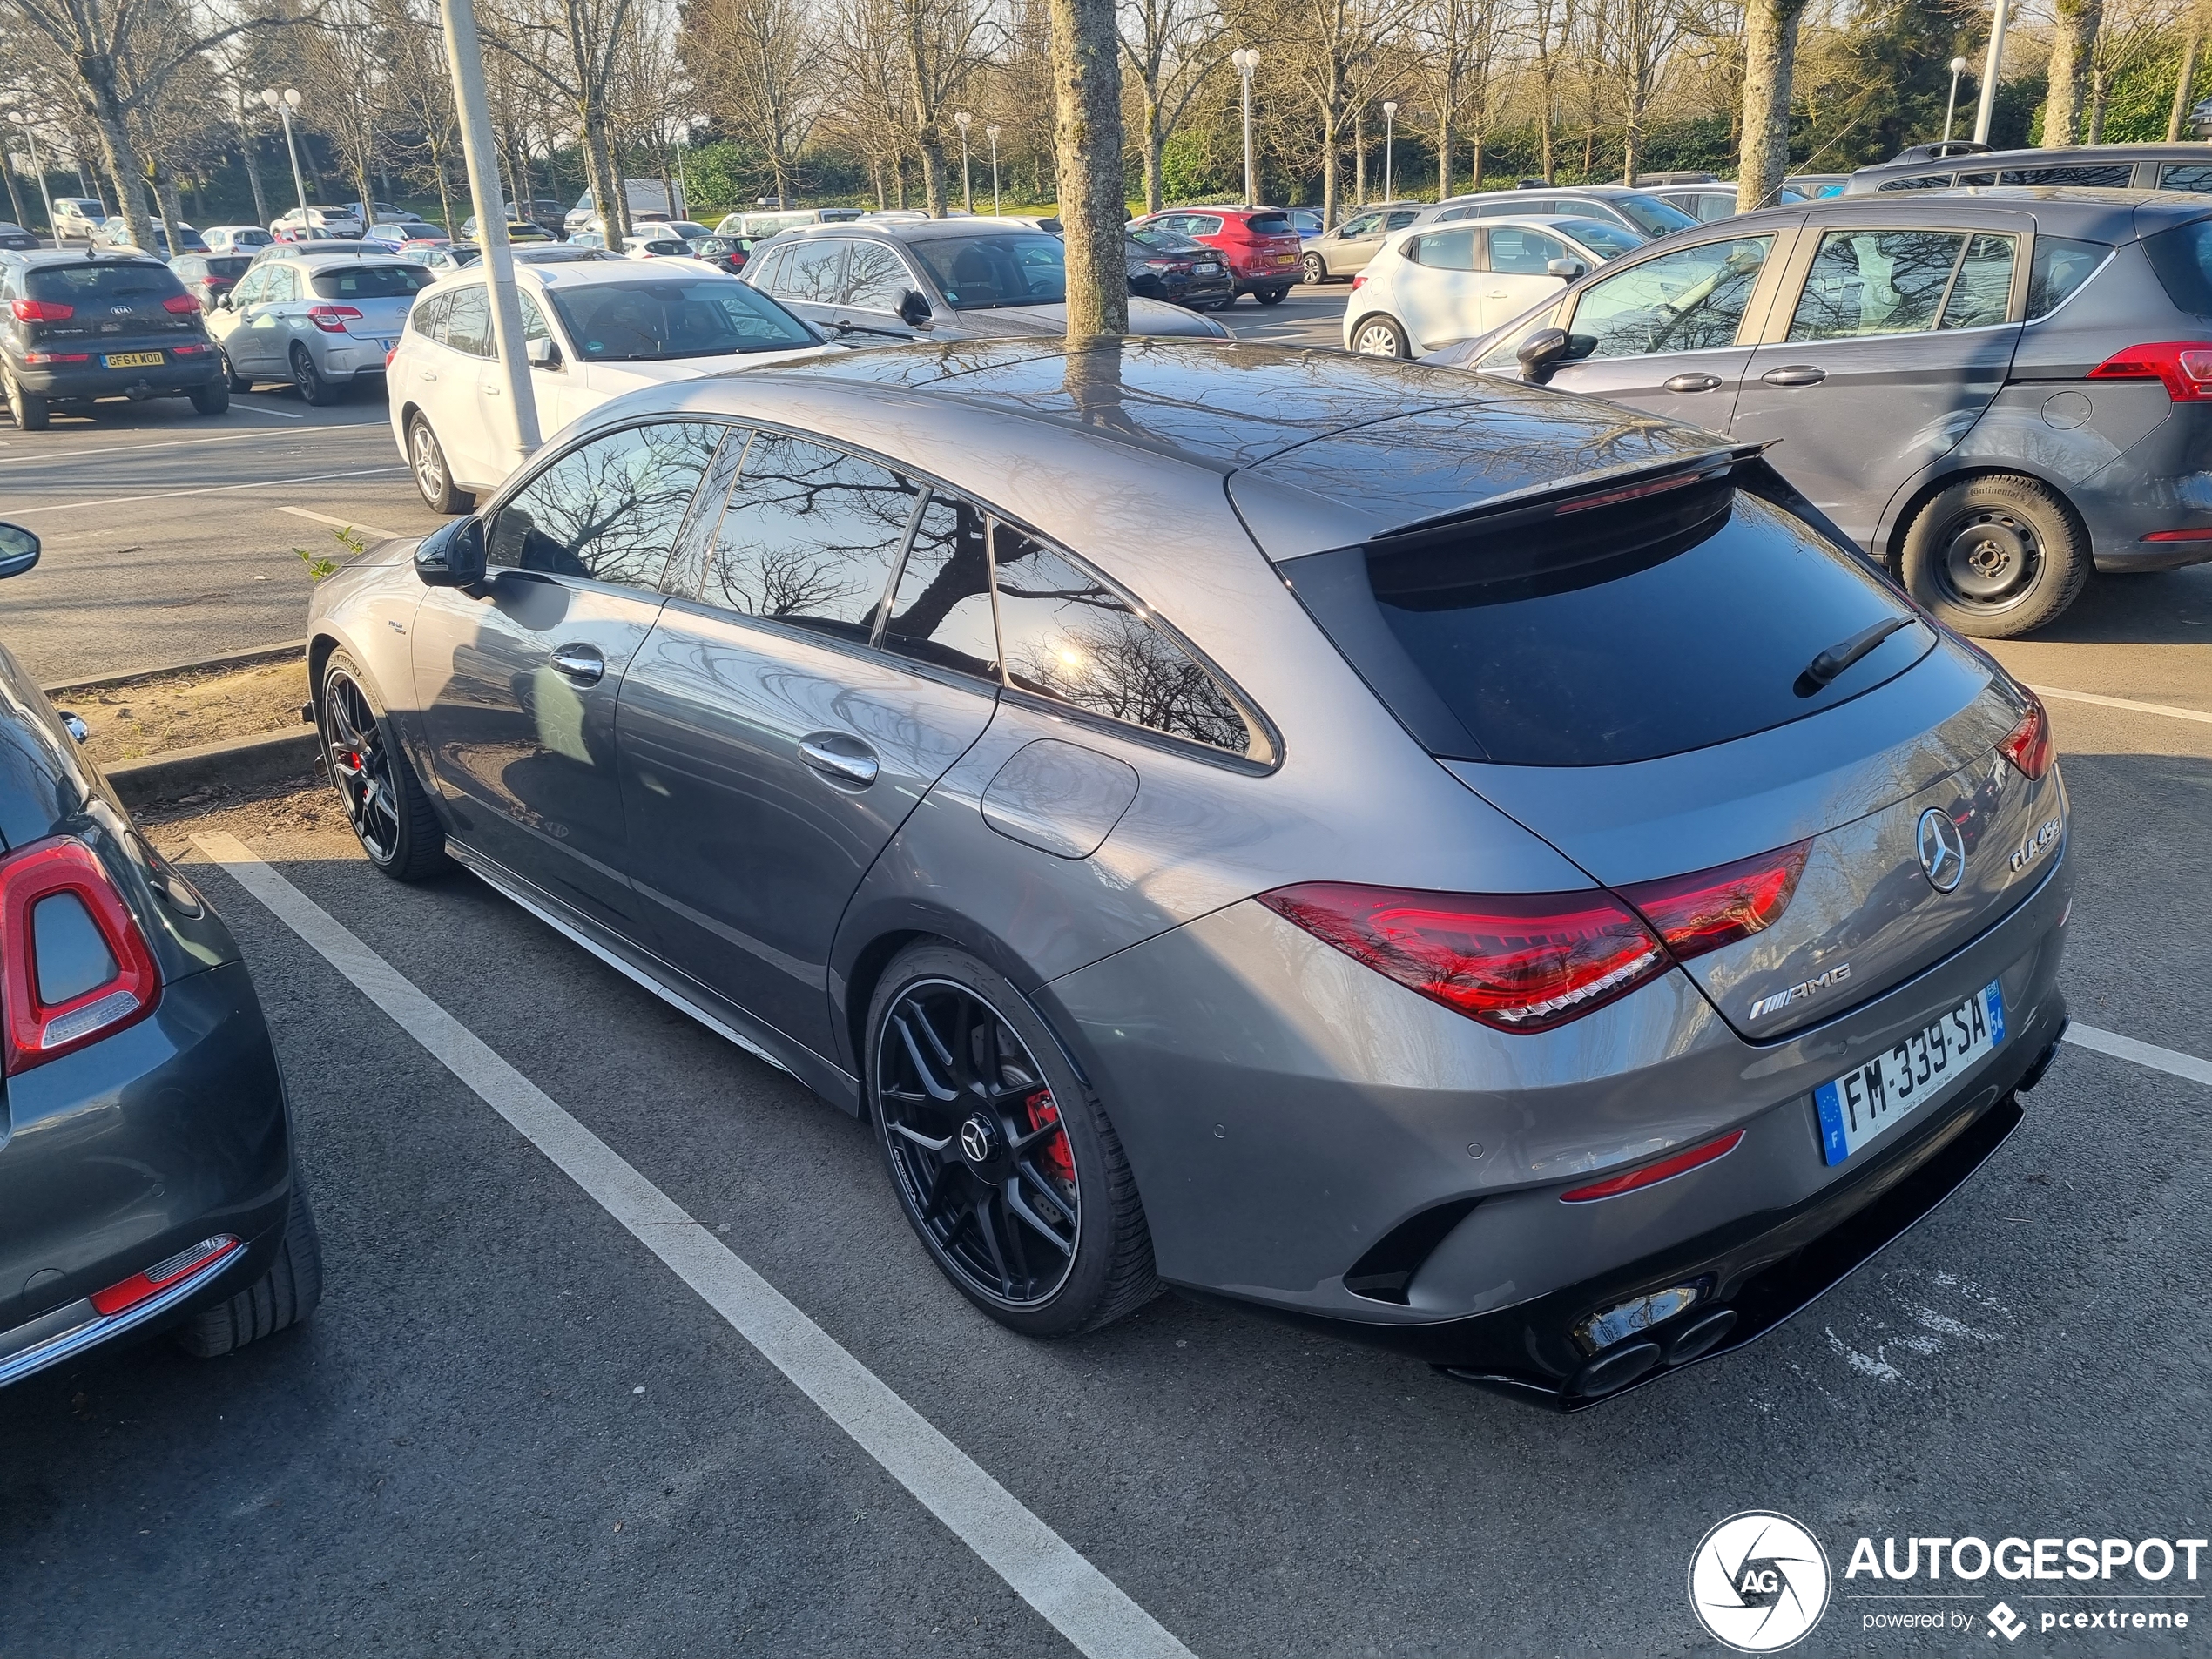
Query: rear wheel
x=314 y=388
x=238 y=381
x=1271 y=296
x=1995 y=557
x=214 y=398
x=1005 y=1163
x=386 y=803
x=29 y=410
x=283 y=1296
x=1314 y=269
x=433 y=478
x=1381 y=337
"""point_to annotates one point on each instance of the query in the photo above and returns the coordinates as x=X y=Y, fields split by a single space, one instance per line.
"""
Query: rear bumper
x=92 y=380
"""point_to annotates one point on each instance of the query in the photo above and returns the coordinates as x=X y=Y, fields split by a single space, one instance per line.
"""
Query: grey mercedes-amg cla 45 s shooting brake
x=1459 y=864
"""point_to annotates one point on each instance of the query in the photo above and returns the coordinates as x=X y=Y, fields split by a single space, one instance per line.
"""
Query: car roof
x=909 y=229
x=2061 y=210
x=44 y=256
x=565 y=273
x=2060 y=156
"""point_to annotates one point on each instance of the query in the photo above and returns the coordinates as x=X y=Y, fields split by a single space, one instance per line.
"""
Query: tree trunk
x=933 y=172
x=15 y=198
x=1770 y=59
x=606 y=184
x=2100 y=97
x=253 y=174
x=2185 y=83
x=2074 y=36
x=172 y=211
x=1087 y=144
x=119 y=155
x=1154 y=147
x=1359 y=160
x=1445 y=136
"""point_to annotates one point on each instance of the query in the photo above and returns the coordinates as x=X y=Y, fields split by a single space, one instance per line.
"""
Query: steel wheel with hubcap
x=1995 y=556
x=1379 y=337
x=391 y=816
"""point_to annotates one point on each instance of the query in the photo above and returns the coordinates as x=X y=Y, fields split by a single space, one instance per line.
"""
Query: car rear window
x=228 y=265
x=1269 y=224
x=370 y=281
x=2182 y=260
x=1567 y=635
x=81 y=285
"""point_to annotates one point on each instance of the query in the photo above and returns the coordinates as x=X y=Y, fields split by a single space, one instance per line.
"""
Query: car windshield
x=640 y=321
x=1162 y=241
x=1009 y=268
x=93 y=282
x=369 y=281
x=1650 y=215
x=1607 y=241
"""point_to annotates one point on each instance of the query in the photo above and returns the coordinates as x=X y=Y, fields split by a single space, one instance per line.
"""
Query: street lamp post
x=967 y=182
x=284 y=102
x=992 y=133
x=37 y=170
x=1246 y=58
x=1957 y=68
x=1390 y=128
x=1987 y=107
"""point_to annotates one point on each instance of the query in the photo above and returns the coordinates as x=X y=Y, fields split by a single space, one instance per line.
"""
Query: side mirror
x=223 y=301
x=1567 y=270
x=542 y=352
x=452 y=556
x=18 y=550
x=913 y=310
x=1539 y=354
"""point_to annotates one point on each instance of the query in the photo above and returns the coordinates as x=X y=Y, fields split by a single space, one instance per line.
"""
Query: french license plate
x=132 y=359
x=1867 y=1101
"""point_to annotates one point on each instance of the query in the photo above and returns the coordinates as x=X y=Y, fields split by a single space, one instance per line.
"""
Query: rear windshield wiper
x=1823 y=669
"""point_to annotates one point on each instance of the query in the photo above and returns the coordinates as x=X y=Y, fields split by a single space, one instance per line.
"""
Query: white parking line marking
x=2170 y=1061
x=1044 y=1569
x=2166 y=709
x=281 y=414
x=342 y=523
x=210 y=489
x=182 y=443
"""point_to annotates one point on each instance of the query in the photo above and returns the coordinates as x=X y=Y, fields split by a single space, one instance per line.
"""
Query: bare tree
x=2185 y=81
x=575 y=47
x=1769 y=60
x=1172 y=47
x=1456 y=41
x=945 y=41
x=1644 y=33
x=1338 y=56
x=759 y=65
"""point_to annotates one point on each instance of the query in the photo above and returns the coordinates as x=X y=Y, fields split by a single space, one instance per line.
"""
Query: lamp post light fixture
x=1246 y=58
x=29 y=126
x=967 y=183
x=1390 y=127
x=284 y=102
x=1957 y=68
x=992 y=133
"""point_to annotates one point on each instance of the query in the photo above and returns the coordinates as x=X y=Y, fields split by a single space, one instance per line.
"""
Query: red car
x=1259 y=245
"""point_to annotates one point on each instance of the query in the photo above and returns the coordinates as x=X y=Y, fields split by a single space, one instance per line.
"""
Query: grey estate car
x=1990 y=391
x=1452 y=863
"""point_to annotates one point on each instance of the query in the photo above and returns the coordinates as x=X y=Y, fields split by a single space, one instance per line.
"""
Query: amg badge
x=1798 y=993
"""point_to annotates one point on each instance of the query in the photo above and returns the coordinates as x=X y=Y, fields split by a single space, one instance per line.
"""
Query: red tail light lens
x=1518 y=961
x=159 y=1277
x=40 y=358
x=331 y=319
x=2028 y=745
x=41 y=310
x=1652 y=1174
x=181 y=305
x=74 y=966
x=1359 y=281
x=1695 y=914
x=2184 y=365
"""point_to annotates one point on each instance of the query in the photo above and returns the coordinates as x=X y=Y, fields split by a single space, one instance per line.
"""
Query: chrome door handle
x=581 y=663
x=1693 y=382
x=840 y=755
x=1797 y=374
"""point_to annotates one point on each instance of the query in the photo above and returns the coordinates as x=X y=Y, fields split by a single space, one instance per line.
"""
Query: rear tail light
x=2184 y=365
x=1359 y=281
x=41 y=310
x=331 y=319
x=1652 y=1174
x=74 y=966
x=121 y=1297
x=36 y=358
x=1695 y=914
x=181 y=305
x=1518 y=961
x=2028 y=745
x=190 y=348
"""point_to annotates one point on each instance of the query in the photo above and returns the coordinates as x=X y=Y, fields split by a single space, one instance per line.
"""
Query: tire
x=314 y=388
x=214 y=398
x=1380 y=336
x=29 y=409
x=1995 y=557
x=1314 y=269
x=237 y=381
x=433 y=478
x=390 y=812
x=1271 y=296
x=285 y=1295
x=1047 y=1149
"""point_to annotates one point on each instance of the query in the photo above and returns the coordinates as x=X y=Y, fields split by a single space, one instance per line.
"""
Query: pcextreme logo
x=1758 y=1582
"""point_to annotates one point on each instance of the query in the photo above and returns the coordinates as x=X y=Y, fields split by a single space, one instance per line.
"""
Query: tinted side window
x=809 y=537
x=610 y=510
x=427 y=319
x=1517 y=251
x=1924 y=181
x=876 y=277
x=2188 y=175
x=2182 y=260
x=1359 y=226
x=1689 y=301
x=1443 y=250
x=2058 y=268
x=814 y=274
x=1981 y=293
x=1400 y=220
x=763 y=273
x=1068 y=637
x=467 y=326
x=1203 y=224
x=1876 y=282
x=2118 y=175
x=941 y=611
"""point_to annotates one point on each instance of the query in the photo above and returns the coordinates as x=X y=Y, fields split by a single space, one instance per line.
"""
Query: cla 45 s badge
x=2035 y=845
x=1799 y=992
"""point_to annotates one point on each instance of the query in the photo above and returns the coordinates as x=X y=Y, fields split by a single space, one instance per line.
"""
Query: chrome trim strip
x=96 y=1328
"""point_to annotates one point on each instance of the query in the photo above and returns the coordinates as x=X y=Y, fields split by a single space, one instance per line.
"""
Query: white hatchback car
x=594 y=329
x=1428 y=287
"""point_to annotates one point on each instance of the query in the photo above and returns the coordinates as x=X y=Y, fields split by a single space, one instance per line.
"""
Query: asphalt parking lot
x=514 y=1427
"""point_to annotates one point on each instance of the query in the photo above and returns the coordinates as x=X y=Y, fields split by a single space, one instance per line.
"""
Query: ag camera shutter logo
x=1758 y=1582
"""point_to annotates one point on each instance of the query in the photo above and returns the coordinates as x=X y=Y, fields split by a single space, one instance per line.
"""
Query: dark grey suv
x=1992 y=391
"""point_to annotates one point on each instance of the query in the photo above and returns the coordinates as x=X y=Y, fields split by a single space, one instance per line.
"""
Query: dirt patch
x=281 y=813
x=186 y=708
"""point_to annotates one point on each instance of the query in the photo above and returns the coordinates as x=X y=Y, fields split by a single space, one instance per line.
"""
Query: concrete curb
x=266 y=757
x=236 y=659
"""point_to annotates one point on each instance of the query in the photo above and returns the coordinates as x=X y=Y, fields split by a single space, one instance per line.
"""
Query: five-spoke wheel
x=390 y=813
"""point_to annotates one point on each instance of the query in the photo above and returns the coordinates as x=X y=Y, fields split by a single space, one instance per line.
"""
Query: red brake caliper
x=1053 y=1150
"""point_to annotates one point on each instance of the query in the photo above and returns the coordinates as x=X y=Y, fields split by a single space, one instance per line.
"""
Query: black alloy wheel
x=391 y=816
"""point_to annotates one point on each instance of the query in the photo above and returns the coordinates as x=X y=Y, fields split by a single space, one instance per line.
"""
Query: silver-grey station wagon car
x=1453 y=862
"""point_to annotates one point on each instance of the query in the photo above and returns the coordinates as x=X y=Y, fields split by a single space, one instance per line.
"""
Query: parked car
x=82 y=328
x=404 y=232
x=1706 y=203
x=1305 y=222
x=936 y=279
x=596 y=326
x=322 y=324
x=1345 y=251
x=1260 y=245
x=74 y=217
x=319 y=248
x=724 y=253
x=2117 y=166
x=655 y=242
x=308 y=224
x=1816 y=187
x=461 y=256
x=1164 y=265
x=1429 y=287
x=116 y=233
x=184 y=1211
x=518 y=231
x=1991 y=393
x=766 y=222
x=236 y=238
x=1635 y=210
x=14 y=239
x=208 y=276
x=1185 y=801
x=647 y=199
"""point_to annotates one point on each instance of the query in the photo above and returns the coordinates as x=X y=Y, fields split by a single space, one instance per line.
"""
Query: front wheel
x=1271 y=296
x=314 y=388
x=1995 y=557
x=214 y=398
x=390 y=812
x=1314 y=269
x=1005 y=1163
x=433 y=478
x=1381 y=337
